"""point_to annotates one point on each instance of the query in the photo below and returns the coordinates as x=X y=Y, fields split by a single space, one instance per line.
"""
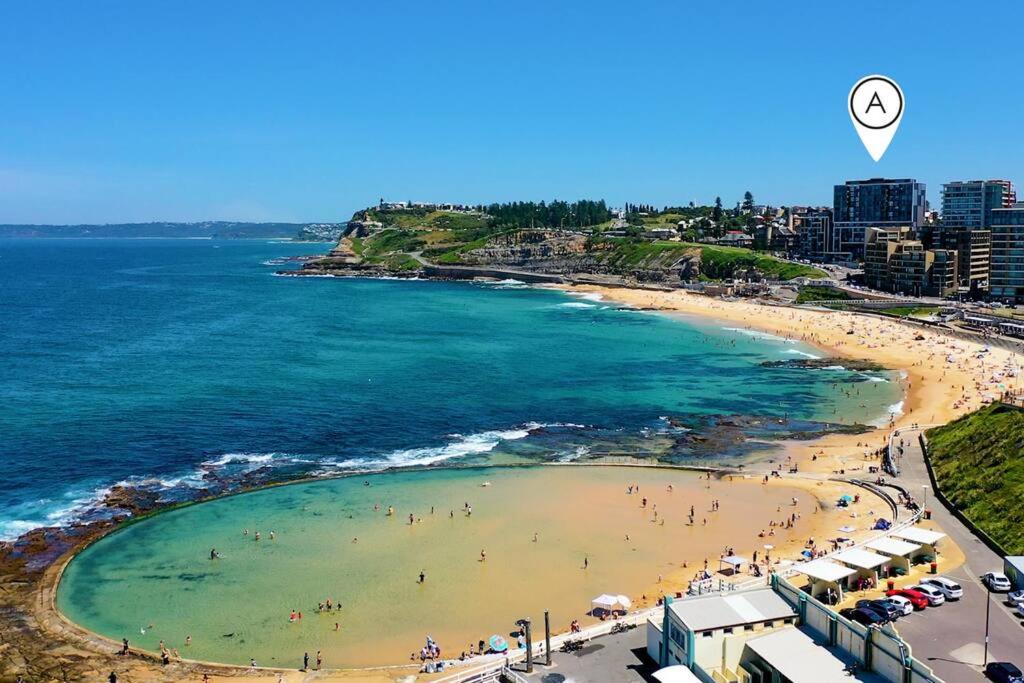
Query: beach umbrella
x=769 y=546
x=847 y=498
x=625 y=602
x=497 y=643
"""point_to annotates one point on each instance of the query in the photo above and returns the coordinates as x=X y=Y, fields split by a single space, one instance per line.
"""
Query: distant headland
x=306 y=232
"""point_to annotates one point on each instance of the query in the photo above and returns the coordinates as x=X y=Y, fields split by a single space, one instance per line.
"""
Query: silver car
x=951 y=589
x=934 y=595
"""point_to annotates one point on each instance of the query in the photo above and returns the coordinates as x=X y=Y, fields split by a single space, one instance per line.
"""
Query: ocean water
x=177 y=365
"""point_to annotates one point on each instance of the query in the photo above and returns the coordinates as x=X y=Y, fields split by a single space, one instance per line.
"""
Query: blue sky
x=124 y=111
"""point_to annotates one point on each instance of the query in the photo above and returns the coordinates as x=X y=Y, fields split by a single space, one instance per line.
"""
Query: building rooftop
x=892 y=546
x=916 y=534
x=826 y=570
x=797 y=656
x=863 y=559
x=718 y=611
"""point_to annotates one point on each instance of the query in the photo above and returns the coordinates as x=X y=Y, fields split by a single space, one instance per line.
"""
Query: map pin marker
x=876 y=108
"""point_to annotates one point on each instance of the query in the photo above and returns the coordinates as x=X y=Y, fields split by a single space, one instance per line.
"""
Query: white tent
x=611 y=603
x=735 y=562
x=675 y=674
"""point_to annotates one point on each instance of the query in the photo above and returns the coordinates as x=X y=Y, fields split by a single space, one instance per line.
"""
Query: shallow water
x=158 y=572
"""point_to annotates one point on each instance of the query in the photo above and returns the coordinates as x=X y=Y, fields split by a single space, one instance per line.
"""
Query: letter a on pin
x=876 y=109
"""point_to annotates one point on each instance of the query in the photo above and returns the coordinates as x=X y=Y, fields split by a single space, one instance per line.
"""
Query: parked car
x=951 y=589
x=917 y=599
x=1003 y=672
x=883 y=607
x=1015 y=597
x=934 y=595
x=863 y=616
x=901 y=603
x=996 y=582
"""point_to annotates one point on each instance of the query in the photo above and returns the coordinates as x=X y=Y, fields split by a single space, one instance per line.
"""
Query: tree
x=716 y=214
x=748 y=202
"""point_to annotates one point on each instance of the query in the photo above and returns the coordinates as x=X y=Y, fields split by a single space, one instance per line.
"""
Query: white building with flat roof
x=775 y=634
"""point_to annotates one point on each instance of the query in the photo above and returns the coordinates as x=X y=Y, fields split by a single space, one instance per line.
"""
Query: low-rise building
x=775 y=633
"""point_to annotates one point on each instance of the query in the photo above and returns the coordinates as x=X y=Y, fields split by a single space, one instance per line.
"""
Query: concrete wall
x=468 y=273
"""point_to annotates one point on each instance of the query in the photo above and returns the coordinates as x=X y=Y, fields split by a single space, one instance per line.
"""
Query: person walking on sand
x=586 y=562
x=319 y=660
x=305 y=661
x=112 y=677
x=423 y=576
x=483 y=555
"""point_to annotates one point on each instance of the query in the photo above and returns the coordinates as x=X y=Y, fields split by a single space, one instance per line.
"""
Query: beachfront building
x=859 y=205
x=968 y=204
x=894 y=263
x=771 y=634
x=1006 y=280
x=967 y=212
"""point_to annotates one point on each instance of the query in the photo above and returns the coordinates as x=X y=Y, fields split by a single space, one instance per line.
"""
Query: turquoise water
x=178 y=365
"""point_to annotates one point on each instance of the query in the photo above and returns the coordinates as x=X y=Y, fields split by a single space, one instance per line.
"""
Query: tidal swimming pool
x=333 y=539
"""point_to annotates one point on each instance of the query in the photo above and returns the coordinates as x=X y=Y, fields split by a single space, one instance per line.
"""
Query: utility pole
x=529 y=646
x=547 y=637
x=988 y=607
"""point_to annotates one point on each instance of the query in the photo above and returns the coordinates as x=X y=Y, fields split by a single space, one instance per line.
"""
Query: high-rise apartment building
x=875 y=203
x=969 y=203
x=1006 y=271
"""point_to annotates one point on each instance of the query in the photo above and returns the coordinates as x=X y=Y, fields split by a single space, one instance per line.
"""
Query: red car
x=918 y=599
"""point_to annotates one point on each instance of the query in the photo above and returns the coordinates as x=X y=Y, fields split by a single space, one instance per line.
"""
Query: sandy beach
x=944 y=378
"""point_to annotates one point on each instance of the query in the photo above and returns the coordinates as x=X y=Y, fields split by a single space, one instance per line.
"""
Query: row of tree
x=557 y=214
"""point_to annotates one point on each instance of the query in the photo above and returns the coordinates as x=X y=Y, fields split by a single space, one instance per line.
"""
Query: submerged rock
x=824 y=363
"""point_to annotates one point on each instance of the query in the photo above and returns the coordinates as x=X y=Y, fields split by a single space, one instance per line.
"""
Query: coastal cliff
x=445 y=244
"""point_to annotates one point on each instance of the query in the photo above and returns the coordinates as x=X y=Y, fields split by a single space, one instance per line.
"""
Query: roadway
x=951 y=638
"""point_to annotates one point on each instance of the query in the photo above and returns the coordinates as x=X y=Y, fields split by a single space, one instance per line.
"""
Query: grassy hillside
x=717 y=262
x=979 y=465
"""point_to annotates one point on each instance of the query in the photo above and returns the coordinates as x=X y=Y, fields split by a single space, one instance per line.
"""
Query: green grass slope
x=979 y=465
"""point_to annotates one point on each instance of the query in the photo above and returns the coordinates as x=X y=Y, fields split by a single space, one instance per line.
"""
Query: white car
x=901 y=603
x=996 y=582
x=951 y=589
x=1015 y=597
x=1020 y=609
x=934 y=595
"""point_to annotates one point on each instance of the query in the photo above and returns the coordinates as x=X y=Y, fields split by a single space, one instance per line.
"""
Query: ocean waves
x=230 y=471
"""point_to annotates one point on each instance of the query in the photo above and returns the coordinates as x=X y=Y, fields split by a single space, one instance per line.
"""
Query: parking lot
x=950 y=638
